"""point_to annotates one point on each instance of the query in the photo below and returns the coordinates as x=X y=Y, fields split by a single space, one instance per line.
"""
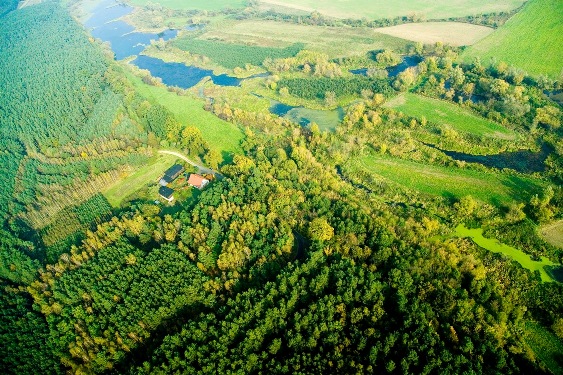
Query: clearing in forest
x=334 y=41
x=452 y=33
x=447 y=182
x=530 y=40
x=441 y=112
x=377 y=9
x=138 y=178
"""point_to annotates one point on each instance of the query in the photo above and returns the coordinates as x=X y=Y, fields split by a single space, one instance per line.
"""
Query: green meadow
x=441 y=112
x=494 y=188
x=495 y=246
x=139 y=178
x=221 y=135
x=530 y=40
x=374 y=9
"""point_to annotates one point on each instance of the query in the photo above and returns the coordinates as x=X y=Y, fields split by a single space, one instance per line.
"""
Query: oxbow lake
x=106 y=25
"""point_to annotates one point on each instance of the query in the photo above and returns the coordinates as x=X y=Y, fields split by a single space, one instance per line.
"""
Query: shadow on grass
x=521 y=189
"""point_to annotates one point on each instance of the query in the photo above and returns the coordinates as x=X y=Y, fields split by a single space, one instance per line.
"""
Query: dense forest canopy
x=310 y=251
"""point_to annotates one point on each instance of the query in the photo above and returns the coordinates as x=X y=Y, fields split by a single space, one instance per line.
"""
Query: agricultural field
x=553 y=233
x=135 y=180
x=374 y=9
x=441 y=112
x=222 y=136
x=452 y=33
x=530 y=40
x=446 y=182
x=334 y=41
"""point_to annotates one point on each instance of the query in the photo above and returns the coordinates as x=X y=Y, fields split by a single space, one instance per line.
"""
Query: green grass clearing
x=334 y=41
x=452 y=33
x=327 y=120
x=376 y=9
x=530 y=40
x=546 y=346
x=148 y=174
x=495 y=246
x=222 y=136
x=441 y=112
x=494 y=188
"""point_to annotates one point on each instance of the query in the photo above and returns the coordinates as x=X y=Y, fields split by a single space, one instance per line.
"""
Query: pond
x=181 y=75
x=393 y=71
x=519 y=256
x=524 y=161
x=326 y=119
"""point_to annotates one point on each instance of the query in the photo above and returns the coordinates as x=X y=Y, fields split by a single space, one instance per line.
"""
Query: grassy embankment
x=373 y=9
x=495 y=246
x=530 y=40
x=443 y=113
x=138 y=179
x=494 y=188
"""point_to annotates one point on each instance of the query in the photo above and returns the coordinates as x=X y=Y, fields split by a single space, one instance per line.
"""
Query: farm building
x=197 y=181
x=166 y=193
x=170 y=174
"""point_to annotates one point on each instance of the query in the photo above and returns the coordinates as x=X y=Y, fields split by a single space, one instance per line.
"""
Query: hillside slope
x=530 y=40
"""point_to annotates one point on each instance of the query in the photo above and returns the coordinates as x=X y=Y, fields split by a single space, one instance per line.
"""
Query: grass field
x=546 y=346
x=446 y=182
x=194 y=4
x=444 y=113
x=553 y=233
x=222 y=136
x=375 y=9
x=334 y=41
x=452 y=33
x=495 y=246
x=137 y=179
x=530 y=40
x=327 y=120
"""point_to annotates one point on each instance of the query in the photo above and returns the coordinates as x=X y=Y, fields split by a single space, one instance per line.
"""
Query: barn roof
x=174 y=171
x=166 y=192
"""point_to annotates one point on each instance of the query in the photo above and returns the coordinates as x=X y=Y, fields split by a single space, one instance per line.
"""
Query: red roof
x=197 y=181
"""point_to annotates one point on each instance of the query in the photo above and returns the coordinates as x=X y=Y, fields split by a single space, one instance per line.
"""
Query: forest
x=311 y=251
